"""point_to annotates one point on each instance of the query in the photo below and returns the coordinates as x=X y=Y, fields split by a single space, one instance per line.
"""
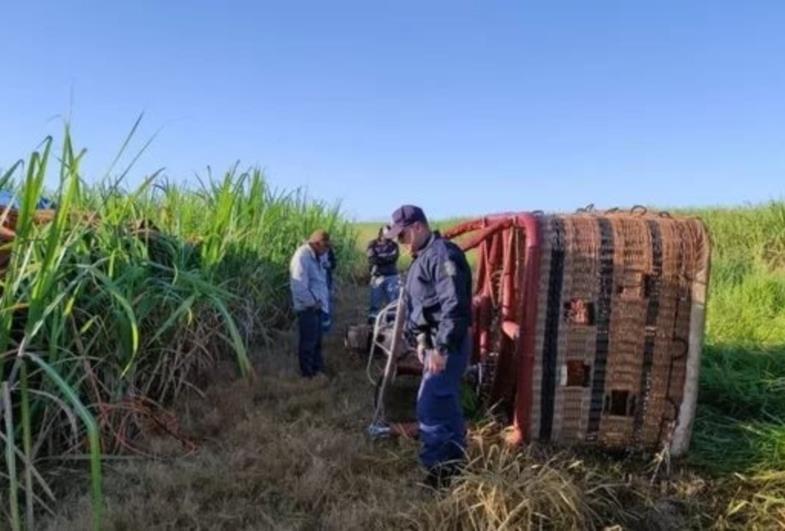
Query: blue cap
x=403 y=217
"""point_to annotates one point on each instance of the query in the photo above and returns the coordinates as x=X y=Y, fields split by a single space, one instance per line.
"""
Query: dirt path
x=280 y=453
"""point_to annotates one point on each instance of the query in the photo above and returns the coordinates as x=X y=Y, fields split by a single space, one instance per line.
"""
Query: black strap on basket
x=602 y=320
x=650 y=334
x=551 y=340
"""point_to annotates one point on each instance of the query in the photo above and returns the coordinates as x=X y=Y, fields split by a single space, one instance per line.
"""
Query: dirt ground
x=277 y=453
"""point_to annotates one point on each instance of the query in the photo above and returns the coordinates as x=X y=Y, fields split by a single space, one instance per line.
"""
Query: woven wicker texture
x=613 y=325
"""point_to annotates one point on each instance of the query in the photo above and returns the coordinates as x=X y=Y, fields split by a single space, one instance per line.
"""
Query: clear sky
x=461 y=107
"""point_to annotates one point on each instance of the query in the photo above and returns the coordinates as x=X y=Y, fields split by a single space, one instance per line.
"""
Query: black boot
x=441 y=476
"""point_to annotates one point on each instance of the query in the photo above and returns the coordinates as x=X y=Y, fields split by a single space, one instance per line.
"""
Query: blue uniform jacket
x=439 y=289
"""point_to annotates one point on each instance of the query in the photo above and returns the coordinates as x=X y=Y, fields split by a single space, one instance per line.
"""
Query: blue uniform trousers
x=439 y=413
x=384 y=290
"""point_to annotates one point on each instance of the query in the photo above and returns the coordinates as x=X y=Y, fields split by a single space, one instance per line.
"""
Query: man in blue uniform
x=438 y=289
x=382 y=256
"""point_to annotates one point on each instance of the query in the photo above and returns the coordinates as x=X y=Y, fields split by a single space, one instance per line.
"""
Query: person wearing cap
x=310 y=298
x=382 y=255
x=438 y=292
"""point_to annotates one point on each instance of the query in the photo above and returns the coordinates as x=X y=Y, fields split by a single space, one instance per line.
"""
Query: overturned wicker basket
x=590 y=325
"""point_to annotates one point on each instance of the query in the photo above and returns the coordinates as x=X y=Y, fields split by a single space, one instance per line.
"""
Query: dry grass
x=285 y=453
x=277 y=453
x=547 y=488
x=749 y=501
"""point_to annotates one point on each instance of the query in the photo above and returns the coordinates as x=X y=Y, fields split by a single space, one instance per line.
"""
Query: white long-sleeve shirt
x=308 y=280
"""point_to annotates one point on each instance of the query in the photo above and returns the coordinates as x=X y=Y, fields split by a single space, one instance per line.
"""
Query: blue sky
x=461 y=107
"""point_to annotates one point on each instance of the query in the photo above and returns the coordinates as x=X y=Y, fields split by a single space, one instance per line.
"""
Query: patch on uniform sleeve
x=450 y=268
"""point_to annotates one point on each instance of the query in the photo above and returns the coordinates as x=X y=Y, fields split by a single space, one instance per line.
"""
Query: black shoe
x=441 y=476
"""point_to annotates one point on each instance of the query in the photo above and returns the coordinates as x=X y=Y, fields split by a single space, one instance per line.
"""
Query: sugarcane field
x=413 y=265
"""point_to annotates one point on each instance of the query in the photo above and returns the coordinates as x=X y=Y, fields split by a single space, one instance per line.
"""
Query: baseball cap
x=403 y=217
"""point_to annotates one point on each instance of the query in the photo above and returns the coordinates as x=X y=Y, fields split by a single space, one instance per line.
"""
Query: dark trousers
x=439 y=411
x=309 y=324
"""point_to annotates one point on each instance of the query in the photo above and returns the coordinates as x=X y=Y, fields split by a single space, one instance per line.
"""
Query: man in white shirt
x=310 y=298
